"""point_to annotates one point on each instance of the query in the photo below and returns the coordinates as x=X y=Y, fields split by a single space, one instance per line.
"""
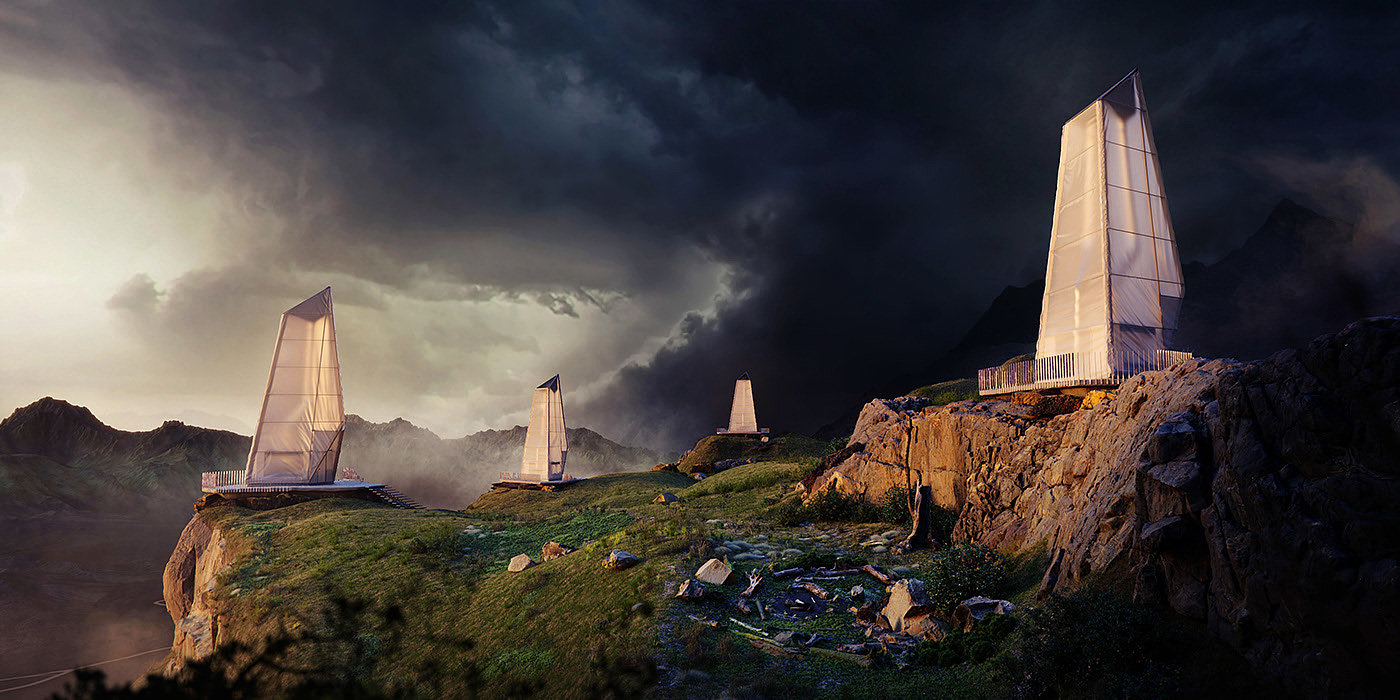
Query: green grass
x=626 y=490
x=563 y=627
x=944 y=393
x=783 y=448
x=746 y=478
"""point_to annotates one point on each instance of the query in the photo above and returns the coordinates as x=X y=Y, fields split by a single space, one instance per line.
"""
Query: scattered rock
x=665 y=497
x=881 y=549
x=714 y=571
x=691 y=590
x=618 y=560
x=553 y=550
x=520 y=562
x=785 y=637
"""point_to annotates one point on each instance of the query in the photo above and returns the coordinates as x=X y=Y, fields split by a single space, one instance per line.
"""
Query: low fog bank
x=451 y=473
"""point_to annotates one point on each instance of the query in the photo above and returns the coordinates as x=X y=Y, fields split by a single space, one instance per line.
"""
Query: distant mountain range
x=1300 y=275
x=57 y=456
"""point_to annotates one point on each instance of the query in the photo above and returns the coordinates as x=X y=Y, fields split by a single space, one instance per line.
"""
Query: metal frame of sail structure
x=297 y=442
x=546 y=441
x=1113 y=284
x=742 y=418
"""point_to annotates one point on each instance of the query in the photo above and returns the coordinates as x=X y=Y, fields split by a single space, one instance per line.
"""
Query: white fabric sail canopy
x=742 y=418
x=546 y=445
x=303 y=414
x=1113 y=284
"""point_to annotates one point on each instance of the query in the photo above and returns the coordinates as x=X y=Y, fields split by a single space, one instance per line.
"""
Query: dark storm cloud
x=869 y=174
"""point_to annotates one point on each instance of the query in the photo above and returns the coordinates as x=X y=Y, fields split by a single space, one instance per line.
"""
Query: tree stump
x=921 y=535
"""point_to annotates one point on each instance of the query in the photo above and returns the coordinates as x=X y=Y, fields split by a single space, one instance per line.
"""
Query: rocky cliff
x=1260 y=498
x=201 y=554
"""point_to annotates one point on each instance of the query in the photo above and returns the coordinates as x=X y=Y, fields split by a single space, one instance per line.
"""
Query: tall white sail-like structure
x=1113 y=284
x=546 y=445
x=303 y=413
x=742 y=418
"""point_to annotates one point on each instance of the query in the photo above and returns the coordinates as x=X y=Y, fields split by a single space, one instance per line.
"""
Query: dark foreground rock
x=1261 y=498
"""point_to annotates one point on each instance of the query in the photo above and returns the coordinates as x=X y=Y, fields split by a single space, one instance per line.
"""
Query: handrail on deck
x=1102 y=368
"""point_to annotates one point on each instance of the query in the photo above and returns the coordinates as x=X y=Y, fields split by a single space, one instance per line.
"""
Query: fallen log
x=788 y=572
x=879 y=575
x=812 y=588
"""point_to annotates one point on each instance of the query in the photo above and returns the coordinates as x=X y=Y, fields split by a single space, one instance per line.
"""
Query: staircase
x=390 y=495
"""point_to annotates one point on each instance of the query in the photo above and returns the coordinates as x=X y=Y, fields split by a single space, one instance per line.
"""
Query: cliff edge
x=1259 y=498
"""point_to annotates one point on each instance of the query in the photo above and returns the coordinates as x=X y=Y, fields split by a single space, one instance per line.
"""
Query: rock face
x=1260 y=497
x=191 y=574
x=520 y=562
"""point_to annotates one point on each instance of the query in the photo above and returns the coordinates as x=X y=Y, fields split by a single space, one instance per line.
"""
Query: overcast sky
x=649 y=198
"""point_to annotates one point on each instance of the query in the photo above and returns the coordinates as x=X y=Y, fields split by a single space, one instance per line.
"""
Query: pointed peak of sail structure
x=1126 y=92
x=551 y=383
x=316 y=306
x=744 y=377
x=1113 y=284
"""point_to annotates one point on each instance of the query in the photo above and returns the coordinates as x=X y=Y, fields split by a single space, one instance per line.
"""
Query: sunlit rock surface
x=1259 y=497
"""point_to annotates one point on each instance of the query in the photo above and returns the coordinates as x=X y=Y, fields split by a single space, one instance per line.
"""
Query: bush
x=894 y=507
x=833 y=506
x=1094 y=643
x=962 y=570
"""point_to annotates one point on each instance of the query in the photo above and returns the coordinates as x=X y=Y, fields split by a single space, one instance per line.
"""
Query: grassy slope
x=947 y=392
x=788 y=448
x=563 y=613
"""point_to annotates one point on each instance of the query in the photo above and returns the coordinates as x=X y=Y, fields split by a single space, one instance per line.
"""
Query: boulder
x=553 y=550
x=665 y=497
x=691 y=590
x=924 y=625
x=520 y=562
x=617 y=560
x=714 y=571
x=907 y=598
x=971 y=611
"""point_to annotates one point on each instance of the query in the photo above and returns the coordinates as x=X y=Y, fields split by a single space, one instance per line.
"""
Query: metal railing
x=1102 y=368
x=230 y=477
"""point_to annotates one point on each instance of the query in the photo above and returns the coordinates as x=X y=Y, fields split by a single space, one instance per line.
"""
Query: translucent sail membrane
x=1113 y=281
x=546 y=443
x=303 y=415
x=1074 y=311
x=742 y=418
x=1145 y=274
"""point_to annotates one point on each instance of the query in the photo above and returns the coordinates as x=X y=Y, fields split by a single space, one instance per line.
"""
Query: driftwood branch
x=754 y=580
x=879 y=575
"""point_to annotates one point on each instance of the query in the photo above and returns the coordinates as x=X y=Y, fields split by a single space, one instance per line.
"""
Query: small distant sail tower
x=742 y=419
x=546 y=443
x=1113 y=283
x=296 y=446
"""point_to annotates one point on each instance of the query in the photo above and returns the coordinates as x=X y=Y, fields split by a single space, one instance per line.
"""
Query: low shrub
x=962 y=570
x=1094 y=643
x=982 y=643
x=833 y=506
